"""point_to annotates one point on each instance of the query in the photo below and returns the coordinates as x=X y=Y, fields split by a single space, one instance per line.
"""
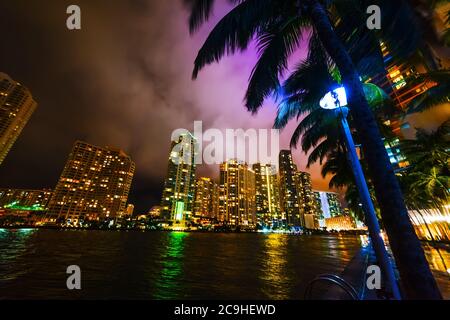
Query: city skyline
x=81 y=97
x=225 y=150
x=91 y=100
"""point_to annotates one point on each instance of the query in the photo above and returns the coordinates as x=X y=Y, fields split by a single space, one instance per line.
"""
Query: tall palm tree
x=278 y=26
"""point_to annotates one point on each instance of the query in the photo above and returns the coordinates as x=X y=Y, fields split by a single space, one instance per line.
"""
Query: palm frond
x=234 y=31
x=200 y=12
x=275 y=45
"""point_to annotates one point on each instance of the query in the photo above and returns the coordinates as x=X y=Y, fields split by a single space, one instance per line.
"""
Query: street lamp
x=336 y=100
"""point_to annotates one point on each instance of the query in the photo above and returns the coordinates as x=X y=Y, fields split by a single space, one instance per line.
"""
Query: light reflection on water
x=13 y=246
x=274 y=276
x=167 y=282
x=163 y=265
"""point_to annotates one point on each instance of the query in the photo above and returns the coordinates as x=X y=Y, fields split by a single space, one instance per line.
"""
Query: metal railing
x=336 y=280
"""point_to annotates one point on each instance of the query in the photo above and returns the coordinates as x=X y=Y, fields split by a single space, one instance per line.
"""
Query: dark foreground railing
x=335 y=280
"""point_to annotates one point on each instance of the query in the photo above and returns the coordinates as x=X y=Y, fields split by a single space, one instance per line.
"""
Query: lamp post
x=336 y=101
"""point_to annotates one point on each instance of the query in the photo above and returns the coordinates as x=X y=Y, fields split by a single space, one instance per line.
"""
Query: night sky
x=124 y=80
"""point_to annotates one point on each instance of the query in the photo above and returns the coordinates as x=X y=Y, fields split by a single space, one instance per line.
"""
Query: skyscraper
x=237 y=194
x=288 y=189
x=267 y=198
x=306 y=197
x=206 y=198
x=16 y=107
x=94 y=184
x=179 y=187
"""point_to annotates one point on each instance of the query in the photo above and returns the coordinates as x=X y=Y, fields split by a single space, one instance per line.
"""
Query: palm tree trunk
x=417 y=279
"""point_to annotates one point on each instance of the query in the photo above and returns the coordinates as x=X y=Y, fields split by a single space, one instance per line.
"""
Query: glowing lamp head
x=334 y=99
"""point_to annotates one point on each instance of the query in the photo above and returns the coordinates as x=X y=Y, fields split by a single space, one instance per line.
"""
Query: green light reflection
x=168 y=282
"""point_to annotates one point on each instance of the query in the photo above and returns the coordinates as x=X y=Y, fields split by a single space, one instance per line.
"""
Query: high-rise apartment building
x=177 y=201
x=94 y=184
x=288 y=190
x=16 y=108
x=237 y=194
x=267 y=199
x=206 y=198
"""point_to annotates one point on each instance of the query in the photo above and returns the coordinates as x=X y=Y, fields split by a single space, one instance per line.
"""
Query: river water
x=174 y=265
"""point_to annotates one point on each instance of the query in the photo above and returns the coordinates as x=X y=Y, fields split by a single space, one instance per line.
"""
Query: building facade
x=206 y=198
x=16 y=107
x=288 y=190
x=267 y=198
x=340 y=223
x=24 y=199
x=94 y=184
x=177 y=201
x=237 y=195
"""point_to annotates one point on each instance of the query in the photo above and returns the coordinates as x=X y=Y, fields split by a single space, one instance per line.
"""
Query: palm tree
x=278 y=26
x=429 y=157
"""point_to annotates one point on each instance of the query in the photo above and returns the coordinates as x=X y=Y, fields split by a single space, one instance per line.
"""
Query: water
x=163 y=265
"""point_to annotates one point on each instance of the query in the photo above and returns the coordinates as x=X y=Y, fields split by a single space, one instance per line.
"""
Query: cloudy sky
x=124 y=80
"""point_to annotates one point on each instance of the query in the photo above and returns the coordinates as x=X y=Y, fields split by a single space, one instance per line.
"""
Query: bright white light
x=334 y=99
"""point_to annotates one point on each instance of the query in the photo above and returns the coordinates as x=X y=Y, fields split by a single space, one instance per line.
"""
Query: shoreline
x=442 y=244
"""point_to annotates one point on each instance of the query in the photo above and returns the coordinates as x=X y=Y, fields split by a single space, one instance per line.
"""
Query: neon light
x=179 y=208
x=15 y=206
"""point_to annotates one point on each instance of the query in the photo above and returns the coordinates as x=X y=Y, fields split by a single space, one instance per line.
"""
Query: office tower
x=328 y=205
x=179 y=187
x=16 y=107
x=237 y=194
x=24 y=199
x=288 y=189
x=267 y=199
x=206 y=198
x=94 y=184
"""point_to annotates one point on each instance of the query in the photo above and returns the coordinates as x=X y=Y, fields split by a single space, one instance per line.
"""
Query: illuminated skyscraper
x=16 y=107
x=206 y=198
x=94 y=184
x=237 y=194
x=288 y=189
x=177 y=201
x=267 y=198
x=306 y=197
